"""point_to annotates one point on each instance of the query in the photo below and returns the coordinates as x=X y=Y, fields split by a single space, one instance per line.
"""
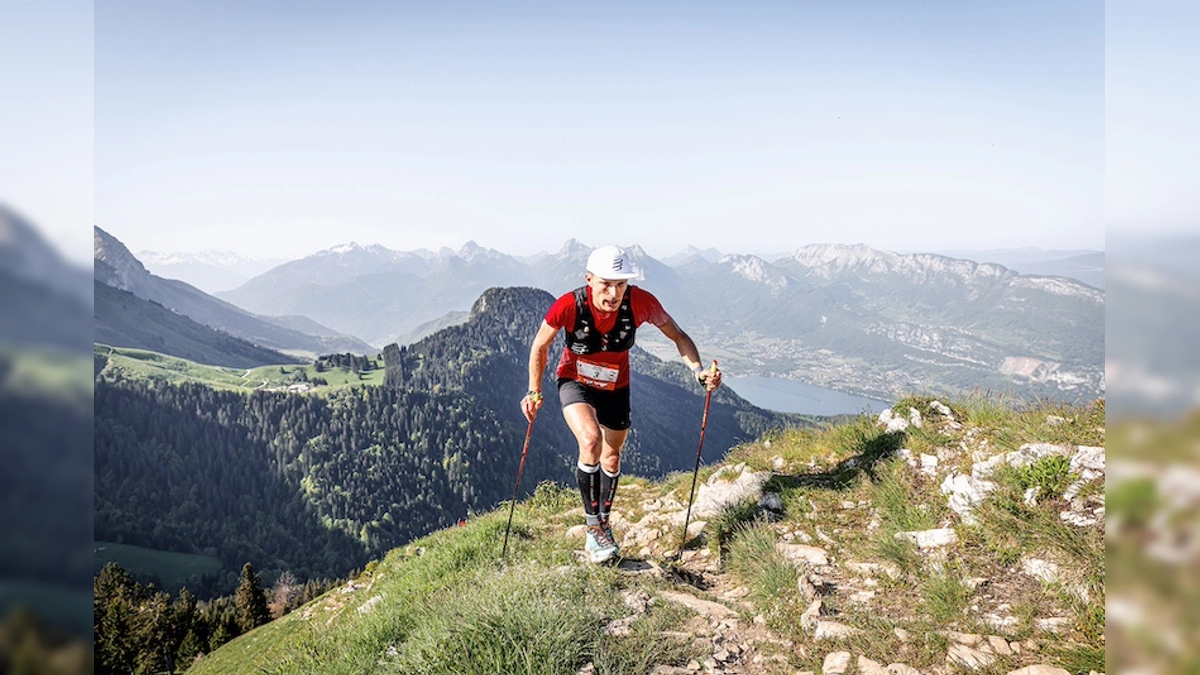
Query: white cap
x=610 y=262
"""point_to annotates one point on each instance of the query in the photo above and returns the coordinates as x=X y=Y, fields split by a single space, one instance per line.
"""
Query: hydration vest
x=585 y=339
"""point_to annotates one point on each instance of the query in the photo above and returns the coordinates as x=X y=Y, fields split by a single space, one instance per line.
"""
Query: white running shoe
x=600 y=546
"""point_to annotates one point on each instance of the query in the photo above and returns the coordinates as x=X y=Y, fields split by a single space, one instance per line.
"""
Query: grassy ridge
x=448 y=604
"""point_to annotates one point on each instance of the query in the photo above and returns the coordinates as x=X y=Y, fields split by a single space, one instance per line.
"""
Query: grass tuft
x=754 y=560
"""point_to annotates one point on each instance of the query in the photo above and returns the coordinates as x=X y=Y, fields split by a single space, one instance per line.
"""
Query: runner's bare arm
x=537 y=367
x=538 y=355
x=689 y=352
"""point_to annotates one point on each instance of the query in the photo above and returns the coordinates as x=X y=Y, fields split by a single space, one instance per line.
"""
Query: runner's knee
x=590 y=445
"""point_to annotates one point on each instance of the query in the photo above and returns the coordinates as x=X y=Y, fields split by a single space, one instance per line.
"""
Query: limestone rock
x=869 y=667
x=935 y=538
x=729 y=486
x=970 y=657
x=832 y=630
x=803 y=554
x=702 y=607
x=836 y=663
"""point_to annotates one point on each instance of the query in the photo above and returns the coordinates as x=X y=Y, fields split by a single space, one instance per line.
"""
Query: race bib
x=596 y=375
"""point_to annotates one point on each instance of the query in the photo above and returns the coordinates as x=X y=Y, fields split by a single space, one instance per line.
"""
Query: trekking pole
x=696 y=471
x=512 y=507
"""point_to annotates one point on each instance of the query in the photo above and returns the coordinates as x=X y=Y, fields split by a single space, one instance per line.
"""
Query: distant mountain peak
x=127 y=271
x=832 y=259
x=472 y=251
x=354 y=250
x=344 y=248
x=207 y=256
x=573 y=247
x=692 y=254
x=754 y=268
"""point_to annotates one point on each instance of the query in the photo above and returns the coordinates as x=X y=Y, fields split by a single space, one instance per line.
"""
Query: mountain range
x=843 y=316
x=1083 y=265
x=211 y=271
x=116 y=267
x=846 y=317
x=123 y=319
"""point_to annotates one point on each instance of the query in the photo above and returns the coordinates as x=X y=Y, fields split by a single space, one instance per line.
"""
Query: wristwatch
x=534 y=394
x=696 y=373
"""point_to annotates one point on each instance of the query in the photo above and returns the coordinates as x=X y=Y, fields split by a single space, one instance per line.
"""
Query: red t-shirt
x=646 y=309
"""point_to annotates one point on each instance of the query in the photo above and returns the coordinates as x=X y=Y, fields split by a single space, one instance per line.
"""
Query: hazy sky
x=285 y=128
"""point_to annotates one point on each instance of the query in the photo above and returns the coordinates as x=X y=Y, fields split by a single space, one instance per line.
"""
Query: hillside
x=115 y=266
x=850 y=318
x=122 y=319
x=191 y=459
x=959 y=538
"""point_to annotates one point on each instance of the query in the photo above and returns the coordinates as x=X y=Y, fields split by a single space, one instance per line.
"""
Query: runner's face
x=607 y=294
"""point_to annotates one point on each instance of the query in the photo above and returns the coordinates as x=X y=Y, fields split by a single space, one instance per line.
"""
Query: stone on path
x=836 y=663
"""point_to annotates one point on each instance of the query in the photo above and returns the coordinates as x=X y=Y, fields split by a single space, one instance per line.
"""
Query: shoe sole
x=603 y=556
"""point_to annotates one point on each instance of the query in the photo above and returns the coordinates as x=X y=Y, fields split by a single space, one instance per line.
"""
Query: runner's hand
x=710 y=378
x=530 y=404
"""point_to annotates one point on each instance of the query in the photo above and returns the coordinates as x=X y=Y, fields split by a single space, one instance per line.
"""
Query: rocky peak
x=126 y=270
x=753 y=268
x=573 y=249
x=342 y=249
x=472 y=251
x=829 y=260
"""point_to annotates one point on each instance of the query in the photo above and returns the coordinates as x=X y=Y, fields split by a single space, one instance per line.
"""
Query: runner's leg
x=581 y=419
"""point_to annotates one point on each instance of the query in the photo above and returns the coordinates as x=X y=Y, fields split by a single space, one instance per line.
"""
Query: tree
x=284 y=594
x=250 y=600
x=158 y=633
x=185 y=619
x=115 y=598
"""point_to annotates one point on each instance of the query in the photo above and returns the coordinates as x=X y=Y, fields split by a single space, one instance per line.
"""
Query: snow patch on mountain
x=205 y=257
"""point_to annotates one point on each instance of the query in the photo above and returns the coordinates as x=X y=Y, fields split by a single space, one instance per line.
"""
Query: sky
x=280 y=129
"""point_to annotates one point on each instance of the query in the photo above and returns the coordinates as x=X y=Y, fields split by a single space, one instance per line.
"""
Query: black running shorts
x=612 y=407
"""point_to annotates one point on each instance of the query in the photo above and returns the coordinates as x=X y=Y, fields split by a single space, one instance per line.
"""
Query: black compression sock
x=589 y=490
x=608 y=491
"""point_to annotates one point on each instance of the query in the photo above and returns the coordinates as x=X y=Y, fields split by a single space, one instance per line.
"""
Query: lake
x=783 y=395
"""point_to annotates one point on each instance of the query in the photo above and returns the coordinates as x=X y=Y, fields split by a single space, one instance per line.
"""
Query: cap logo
x=618 y=263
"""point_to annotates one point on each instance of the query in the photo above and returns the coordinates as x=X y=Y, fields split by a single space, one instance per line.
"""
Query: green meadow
x=141 y=363
x=172 y=569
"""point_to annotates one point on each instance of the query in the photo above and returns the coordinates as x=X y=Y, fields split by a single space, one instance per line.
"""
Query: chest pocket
x=586 y=339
